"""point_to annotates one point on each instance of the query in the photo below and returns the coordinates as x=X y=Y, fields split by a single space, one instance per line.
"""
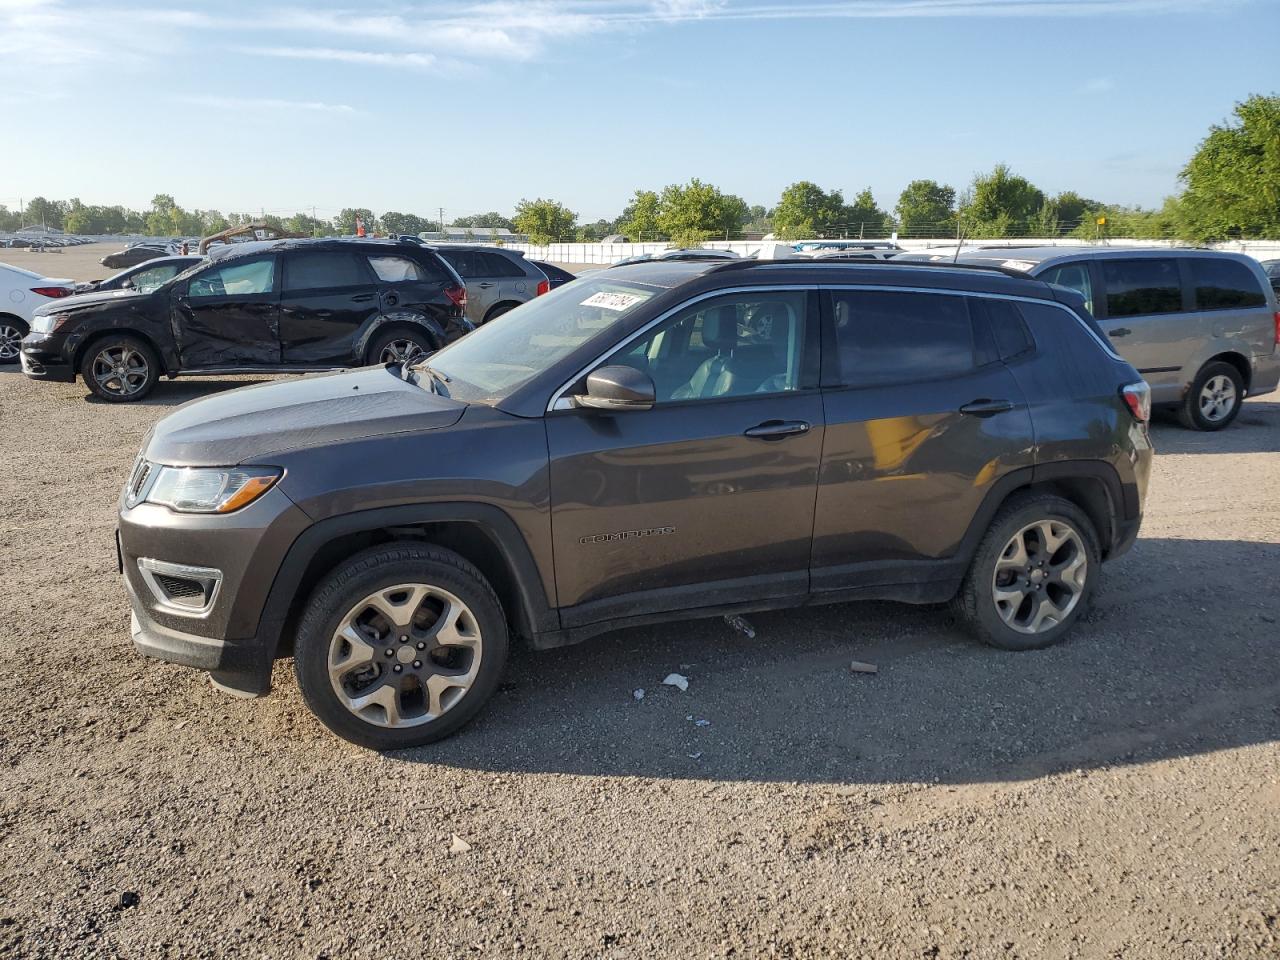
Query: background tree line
x=1230 y=189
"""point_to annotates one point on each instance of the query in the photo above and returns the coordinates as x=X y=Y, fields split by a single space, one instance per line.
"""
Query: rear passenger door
x=923 y=418
x=328 y=297
x=1143 y=314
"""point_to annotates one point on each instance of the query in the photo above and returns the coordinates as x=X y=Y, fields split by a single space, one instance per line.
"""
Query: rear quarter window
x=398 y=269
x=1221 y=284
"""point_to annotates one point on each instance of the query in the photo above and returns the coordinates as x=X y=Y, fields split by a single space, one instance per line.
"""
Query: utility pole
x=441 y=224
x=315 y=224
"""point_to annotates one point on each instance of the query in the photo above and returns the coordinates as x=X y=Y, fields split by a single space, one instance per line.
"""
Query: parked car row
x=43 y=241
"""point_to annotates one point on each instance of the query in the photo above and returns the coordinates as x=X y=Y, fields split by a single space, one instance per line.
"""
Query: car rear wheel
x=1214 y=398
x=400 y=347
x=12 y=330
x=401 y=646
x=120 y=369
x=499 y=309
x=1033 y=575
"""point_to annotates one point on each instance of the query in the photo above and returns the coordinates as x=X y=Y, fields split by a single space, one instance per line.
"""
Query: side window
x=236 y=279
x=1137 y=287
x=397 y=269
x=1004 y=323
x=496 y=265
x=464 y=262
x=733 y=346
x=144 y=281
x=889 y=337
x=1073 y=275
x=1221 y=284
x=323 y=269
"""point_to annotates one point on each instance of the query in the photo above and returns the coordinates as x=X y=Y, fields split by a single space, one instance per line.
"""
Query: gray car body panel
x=604 y=519
x=485 y=291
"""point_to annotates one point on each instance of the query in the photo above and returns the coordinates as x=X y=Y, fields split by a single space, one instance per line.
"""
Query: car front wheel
x=1033 y=575
x=120 y=369
x=401 y=646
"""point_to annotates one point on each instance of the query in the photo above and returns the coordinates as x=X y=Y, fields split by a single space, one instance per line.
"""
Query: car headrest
x=720 y=328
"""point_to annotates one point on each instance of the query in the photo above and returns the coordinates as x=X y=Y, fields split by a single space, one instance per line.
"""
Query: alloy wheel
x=405 y=655
x=1217 y=398
x=402 y=351
x=1040 y=576
x=10 y=341
x=121 y=370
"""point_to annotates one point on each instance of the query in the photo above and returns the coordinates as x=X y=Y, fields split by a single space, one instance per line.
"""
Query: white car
x=21 y=291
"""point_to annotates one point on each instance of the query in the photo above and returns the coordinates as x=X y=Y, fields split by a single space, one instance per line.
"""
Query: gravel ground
x=1116 y=796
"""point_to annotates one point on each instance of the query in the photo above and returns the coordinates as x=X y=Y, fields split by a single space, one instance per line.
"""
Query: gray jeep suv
x=651 y=442
x=1201 y=326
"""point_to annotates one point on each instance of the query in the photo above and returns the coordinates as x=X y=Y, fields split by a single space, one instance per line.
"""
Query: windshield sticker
x=612 y=301
x=1023 y=265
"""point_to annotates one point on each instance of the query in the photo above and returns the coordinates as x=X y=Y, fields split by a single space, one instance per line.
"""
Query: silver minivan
x=497 y=279
x=1201 y=326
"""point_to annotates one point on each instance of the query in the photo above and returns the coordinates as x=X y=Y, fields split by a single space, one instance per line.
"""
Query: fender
x=533 y=616
x=402 y=317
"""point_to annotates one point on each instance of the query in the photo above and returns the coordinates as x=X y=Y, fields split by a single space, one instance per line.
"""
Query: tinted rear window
x=1136 y=287
x=1221 y=284
x=496 y=265
x=1008 y=330
x=888 y=337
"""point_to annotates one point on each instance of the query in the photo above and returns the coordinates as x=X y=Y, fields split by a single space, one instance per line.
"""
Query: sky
x=471 y=106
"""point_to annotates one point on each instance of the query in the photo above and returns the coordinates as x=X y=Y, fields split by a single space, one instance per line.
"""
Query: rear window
x=889 y=337
x=1138 y=287
x=1221 y=284
x=393 y=269
x=323 y=269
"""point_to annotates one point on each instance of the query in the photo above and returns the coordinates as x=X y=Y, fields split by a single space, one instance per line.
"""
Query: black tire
x=498 y=309
x=975 y=604
x=12 y=330
x=1191 y=412
x=385 y=344
x=126 y=347
x=366 y=573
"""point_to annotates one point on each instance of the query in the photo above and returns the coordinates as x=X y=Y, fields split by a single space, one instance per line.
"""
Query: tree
x=544 y=221
x=1000 y=204
x=398 y=223
x=42 y=212
x=640 y=218
x=488 y=220
x=305 y=223
x=759 y=220
x=926 y=208
x=1233 y=179
x=805 y=210
x=345 y=222
x=864 y=216
x=691 y=213
x=1072 y=209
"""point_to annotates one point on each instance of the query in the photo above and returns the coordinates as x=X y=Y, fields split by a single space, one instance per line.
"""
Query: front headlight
x=210 y=489
x=48 y=322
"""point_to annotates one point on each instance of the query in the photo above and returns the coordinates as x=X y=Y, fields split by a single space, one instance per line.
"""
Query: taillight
x=1277 y=318
x=544 y=286
x=54 y=292
x=458 y=295
x=1137 y=397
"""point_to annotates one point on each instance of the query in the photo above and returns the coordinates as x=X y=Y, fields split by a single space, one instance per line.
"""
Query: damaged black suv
x=285 y=306
x=651 y=442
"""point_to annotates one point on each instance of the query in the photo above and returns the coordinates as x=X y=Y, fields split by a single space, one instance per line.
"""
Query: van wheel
x=120 y=368
x=401 y=646
x=400 y=347
x=12 y=330
x=1214 y=398
x=1032 y=576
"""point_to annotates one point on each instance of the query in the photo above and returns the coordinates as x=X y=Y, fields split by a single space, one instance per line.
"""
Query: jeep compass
x=655 y=441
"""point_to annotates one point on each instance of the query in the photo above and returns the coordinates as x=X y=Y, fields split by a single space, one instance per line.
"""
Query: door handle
x=363 y=297
x=986 y=408
x=776 y=429
x=1120 y=332
x=484 y=286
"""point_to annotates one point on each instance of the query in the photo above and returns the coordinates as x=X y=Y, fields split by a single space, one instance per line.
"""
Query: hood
x=92 y=299
x=270 y=418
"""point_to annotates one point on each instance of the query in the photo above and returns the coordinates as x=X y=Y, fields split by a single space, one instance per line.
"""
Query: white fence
x=606 y=253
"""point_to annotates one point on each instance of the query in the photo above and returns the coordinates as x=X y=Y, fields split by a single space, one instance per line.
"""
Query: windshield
x=491 y=363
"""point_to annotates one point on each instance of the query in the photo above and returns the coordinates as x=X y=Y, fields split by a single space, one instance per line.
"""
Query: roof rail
x=859 y=262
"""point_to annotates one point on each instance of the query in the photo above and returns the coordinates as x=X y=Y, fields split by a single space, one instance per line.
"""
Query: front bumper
x=230 y=639
x=38 y=366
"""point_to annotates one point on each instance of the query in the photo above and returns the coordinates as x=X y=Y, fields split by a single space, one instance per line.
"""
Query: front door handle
x=363 y=297
x=1121 y=332
x=986 y=408
x=776 y=429
x=484 y=286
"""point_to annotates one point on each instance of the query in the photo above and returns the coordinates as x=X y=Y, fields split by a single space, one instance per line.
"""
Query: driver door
x=229 y=316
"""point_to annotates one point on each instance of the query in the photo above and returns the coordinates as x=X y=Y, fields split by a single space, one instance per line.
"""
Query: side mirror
x=617 y=388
